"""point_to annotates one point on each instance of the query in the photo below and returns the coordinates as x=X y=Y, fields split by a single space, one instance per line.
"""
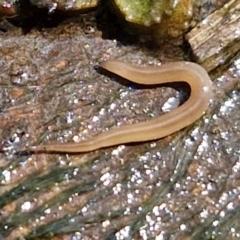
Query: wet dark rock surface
x=185 y=186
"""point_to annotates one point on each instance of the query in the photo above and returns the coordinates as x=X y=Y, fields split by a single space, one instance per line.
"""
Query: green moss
x=143 y=12
x=162 y=17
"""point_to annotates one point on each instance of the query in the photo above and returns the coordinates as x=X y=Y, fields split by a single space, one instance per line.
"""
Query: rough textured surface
x=216 y=39
x=145 y=12
x=185 y=186
x=160 y=20
x=65 y=5
x=7 y=8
